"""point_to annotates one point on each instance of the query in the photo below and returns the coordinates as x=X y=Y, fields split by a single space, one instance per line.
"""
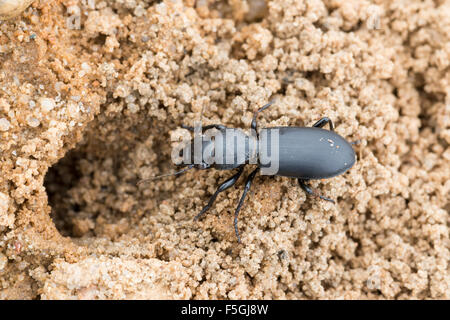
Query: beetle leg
x=310 y=191
x=224 y=186
x=324 y=121
x=248 y=184
x=254 y=125
x=216 y=126
x=220 y=127
x=187 y=127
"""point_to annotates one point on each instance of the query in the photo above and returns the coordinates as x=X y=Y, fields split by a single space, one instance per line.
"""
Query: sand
x=92 y=96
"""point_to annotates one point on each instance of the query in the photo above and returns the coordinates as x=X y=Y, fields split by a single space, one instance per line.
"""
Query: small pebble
x=47 y=104
x=134 y=108
x=4 y=124
x=3 y=261
x=86 y=67
x=4 y=203
x=12 y=8
x=33 y=122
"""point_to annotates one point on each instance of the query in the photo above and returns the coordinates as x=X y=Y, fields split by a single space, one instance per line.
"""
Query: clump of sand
x=85 y=113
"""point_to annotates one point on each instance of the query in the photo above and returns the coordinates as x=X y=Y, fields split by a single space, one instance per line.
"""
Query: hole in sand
x=61 y=182
x=93 y=190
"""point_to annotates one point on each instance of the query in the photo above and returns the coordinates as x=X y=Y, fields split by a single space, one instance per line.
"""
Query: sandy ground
x=92 y=94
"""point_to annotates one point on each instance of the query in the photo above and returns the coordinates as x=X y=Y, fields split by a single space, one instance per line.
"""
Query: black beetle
x=304 y=153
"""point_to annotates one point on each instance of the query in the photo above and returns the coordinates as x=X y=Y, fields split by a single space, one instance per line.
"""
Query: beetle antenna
x=167 y=175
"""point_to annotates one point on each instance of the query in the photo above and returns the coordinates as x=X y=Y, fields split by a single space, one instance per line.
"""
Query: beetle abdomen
x=309 y=153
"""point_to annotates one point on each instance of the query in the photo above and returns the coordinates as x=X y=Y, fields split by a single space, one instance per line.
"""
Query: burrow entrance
x=93 y=190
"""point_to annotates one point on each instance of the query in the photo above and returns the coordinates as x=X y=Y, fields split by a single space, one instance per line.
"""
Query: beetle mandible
x=304 y=153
